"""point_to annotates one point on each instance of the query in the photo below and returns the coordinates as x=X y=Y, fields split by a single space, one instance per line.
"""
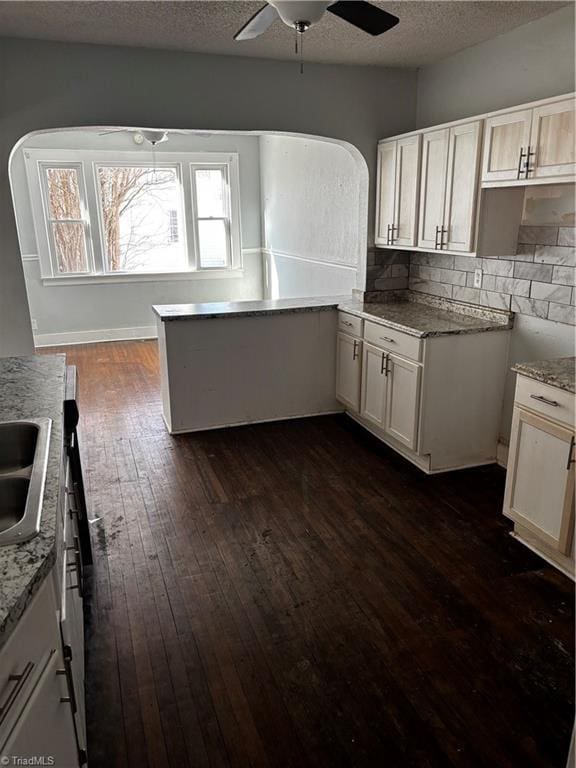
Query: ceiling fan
x=301 y=15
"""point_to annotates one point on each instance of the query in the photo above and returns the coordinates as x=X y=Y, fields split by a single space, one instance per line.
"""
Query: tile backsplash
x=538 y=280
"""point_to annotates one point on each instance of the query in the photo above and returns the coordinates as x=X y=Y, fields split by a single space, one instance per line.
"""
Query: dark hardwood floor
x=295 y=594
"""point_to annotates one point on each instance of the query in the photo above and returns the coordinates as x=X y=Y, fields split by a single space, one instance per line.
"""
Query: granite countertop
x=245 y=308
x=557 y=373
x=31 y=388
x=424 y=316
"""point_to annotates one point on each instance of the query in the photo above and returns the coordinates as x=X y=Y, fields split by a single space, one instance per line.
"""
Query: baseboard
x=502 y=454
x=93 y=337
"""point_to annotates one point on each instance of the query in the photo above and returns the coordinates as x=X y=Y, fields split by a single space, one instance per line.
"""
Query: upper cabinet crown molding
x=430 y=182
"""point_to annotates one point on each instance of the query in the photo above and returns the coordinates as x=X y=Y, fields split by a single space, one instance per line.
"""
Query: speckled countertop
x=416 y=314
x=557 y=373
x=245 y=308
x=32 y=387
x=428 y=316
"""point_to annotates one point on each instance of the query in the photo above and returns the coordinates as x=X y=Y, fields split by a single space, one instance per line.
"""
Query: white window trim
x=87 y=162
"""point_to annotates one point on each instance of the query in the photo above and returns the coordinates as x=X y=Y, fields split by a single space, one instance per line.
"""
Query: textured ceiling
x=428 y=31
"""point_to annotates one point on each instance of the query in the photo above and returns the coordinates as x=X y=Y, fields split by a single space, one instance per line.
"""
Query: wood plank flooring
x=295 y=594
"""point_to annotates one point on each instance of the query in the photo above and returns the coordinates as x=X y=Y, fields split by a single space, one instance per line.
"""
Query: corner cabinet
x=435 y=400
x=397 y=191
x=530 y=145
x=539 y=494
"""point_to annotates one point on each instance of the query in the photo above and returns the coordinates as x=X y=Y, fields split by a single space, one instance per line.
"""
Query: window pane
x=63 y=193
x=210 y=193
x=212 y=240
x=70 y=247
x=142 y=219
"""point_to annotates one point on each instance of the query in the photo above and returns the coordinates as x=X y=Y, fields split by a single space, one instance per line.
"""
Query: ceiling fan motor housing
x=293 y=12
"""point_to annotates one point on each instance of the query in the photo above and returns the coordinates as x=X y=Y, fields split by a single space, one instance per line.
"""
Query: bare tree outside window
x=141 y=215
x=65 y=218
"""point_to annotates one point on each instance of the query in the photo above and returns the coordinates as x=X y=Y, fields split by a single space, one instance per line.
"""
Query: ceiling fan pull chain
x=296 y=40
x=301 y=54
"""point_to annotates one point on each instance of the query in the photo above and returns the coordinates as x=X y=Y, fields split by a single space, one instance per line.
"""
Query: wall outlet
x=477 y=278
x=34 y=324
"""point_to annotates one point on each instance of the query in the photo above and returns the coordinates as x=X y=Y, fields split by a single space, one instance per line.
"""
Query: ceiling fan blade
x=365 y=16
x=258 y=24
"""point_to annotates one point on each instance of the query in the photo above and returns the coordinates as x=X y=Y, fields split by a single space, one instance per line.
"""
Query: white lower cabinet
x=435 y=400
x=45 y=728
x=402 y=400
x=539 y=494
x=348 y=370
x=373 y=403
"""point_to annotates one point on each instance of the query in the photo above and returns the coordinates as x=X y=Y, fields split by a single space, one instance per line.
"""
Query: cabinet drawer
x=350 y=324
x=25 y=654
x=550 y=401
x=392 y=340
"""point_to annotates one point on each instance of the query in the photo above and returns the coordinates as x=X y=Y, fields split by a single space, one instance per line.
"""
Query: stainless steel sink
x=23 y=461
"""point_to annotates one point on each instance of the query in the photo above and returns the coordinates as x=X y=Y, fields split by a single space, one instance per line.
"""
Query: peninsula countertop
x=412 y=313
x=559 y=372
x=31 y=388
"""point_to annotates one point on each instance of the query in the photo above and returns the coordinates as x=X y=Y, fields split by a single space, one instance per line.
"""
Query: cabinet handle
x=520 y=159
x=67 y=672
x=529 y=155
x=387 y=371
x=77 y=565
x=388 y=339
x=345 y=322
x=443 y=230
x=19 y=681
x=436 y=238
x=571 y=459
x=392 y=236
x=383 y=364
x=542 y=399
x=388 y=234
x=355 y=354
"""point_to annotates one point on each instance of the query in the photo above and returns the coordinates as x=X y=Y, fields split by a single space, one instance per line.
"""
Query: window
x=140 y=208
x=66 y=225
x=132 y=215
x=212 y=216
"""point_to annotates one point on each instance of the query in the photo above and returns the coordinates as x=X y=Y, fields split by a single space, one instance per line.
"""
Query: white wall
x=69 y=313
x=314 y=217
x=531 y=62
x=47 y=85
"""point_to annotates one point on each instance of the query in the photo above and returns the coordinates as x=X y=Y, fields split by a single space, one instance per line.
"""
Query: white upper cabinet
x=461 y=187
x=397 y=194
x=552 y=140
x=506 y=140
x=448 y=188
x=433 y=187
x=529 y=145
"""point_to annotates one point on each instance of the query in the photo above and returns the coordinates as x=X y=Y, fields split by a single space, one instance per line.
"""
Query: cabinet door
x=461 y=187
x=540 y=481
x=406 y=198
x=552 y=140
x=386 y=191
x=432 y=186
x=402 y=400
x=505 y=137
x=373 y=400
x=348 y=370
x=45 y=726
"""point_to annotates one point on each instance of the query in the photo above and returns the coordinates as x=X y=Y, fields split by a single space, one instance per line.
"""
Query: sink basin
x=23 y=461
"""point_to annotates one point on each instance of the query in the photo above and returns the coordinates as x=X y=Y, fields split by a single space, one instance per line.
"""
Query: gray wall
x=314 y=215
x=45 y=85
x=69 y=309
x=531 y=62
